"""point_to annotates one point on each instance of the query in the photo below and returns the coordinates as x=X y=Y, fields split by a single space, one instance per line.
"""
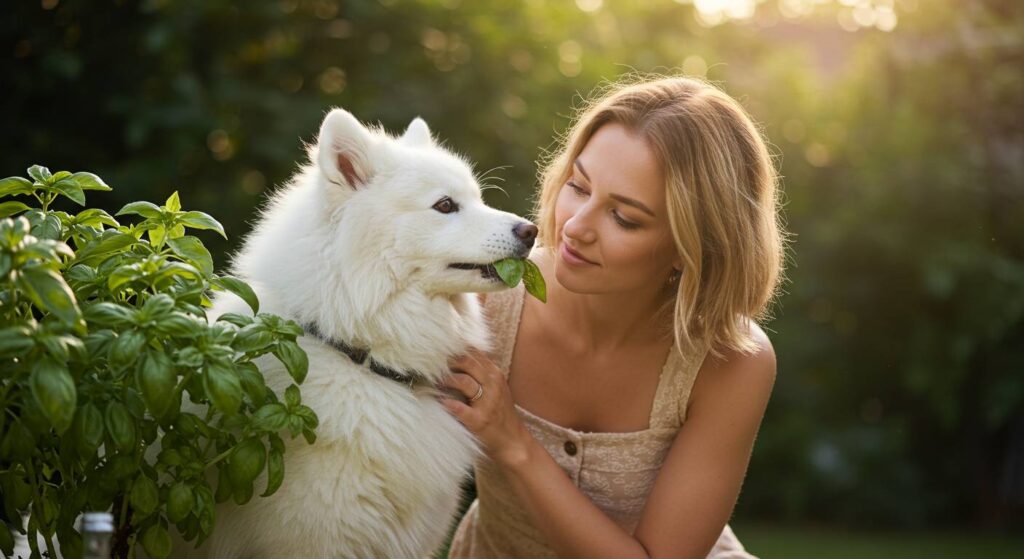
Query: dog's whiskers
x=484 y=176
x=486 y=187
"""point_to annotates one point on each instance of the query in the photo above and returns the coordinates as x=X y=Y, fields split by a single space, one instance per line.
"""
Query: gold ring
x=479 y=393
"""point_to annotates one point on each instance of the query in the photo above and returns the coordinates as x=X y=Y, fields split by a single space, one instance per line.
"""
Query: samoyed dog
x=376 y=247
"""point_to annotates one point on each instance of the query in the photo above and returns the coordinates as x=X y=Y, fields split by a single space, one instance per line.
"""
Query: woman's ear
x=344 y=150
x=676 y=272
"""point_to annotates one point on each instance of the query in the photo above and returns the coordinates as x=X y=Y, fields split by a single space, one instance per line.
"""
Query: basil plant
x=118 y=393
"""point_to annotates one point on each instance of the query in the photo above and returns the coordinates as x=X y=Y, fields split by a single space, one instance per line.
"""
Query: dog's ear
x=417 y=134
x=344 y=148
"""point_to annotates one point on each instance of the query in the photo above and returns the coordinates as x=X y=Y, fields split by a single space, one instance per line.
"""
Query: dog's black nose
x=525 y=232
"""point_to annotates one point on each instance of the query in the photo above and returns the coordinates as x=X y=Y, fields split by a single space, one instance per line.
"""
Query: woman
x=618 y=419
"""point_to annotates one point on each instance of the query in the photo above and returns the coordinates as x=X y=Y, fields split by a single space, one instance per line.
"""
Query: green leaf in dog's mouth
x=513 y=270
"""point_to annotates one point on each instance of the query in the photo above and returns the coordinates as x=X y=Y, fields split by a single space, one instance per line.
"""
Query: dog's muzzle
x=487 y=271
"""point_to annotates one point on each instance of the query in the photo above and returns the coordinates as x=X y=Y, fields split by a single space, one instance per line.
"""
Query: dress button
x=570 y=448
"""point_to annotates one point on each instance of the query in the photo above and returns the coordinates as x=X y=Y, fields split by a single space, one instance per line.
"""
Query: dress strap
x=673 y=394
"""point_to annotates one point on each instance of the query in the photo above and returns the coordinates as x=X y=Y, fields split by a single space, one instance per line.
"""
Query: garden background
x=897 y=423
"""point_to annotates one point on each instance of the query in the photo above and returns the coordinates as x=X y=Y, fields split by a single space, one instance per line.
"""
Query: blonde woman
x=619 y=418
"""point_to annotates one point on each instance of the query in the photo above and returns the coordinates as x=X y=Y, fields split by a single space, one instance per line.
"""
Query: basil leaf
x=513 y=270
x=179 y=502
x=240 y=288
x=157 y=542
x=145 y=496
x=510 y=270
x=293 y=358
x=534 y=281
x=54 y=391
x=222 y=386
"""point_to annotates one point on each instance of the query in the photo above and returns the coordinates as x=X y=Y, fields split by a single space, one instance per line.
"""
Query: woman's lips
x=574 y=258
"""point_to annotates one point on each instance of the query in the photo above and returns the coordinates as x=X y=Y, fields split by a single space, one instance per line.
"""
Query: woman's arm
x=696 y=488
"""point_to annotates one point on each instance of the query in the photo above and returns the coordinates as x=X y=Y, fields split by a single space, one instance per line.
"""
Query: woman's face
x=610 y=217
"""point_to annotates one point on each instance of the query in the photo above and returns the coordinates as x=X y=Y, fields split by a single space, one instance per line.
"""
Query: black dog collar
x=359 y=356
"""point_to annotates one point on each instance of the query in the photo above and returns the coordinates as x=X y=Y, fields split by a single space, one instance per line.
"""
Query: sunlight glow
x=713 y=12
x=589 y=5
x=851 y=15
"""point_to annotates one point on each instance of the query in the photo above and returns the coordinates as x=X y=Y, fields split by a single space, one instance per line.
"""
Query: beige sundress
x=615 y=470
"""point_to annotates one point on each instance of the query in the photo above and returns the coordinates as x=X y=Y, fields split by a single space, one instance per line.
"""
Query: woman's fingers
x=465 y=386
x=462 y=382
x=456 y=408
x=476 y=354
x=474 y=363
x=462 y=362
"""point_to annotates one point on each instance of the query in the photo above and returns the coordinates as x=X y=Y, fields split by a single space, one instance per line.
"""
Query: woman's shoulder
x=759 y=361
x=732 y=373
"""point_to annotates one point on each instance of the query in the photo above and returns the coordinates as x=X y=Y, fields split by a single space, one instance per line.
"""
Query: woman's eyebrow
x=628 y=201
x=580 y=167
x=635 y=203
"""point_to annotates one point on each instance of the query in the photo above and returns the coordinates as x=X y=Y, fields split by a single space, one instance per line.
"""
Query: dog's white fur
x=353 y=244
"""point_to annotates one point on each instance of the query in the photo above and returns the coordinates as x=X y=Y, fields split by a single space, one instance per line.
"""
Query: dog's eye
x=446 y=205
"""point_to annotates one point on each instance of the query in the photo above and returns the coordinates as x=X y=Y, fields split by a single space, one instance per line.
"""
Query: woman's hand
x=492 y=417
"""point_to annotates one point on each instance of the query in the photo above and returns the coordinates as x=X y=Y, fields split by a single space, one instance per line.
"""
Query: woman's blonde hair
x=722 y=196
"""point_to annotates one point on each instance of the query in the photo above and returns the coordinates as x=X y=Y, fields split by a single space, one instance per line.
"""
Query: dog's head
x=413 y=205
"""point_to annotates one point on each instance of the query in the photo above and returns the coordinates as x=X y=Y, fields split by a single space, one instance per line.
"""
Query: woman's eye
x=446 y=205
x=576 y=188
x=625 y=224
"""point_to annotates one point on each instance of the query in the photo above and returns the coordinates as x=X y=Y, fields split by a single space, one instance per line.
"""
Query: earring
x=675 y=275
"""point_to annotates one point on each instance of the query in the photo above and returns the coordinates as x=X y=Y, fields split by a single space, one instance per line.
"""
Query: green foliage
x=106 y=353
x=815 y=542
x=900 y=395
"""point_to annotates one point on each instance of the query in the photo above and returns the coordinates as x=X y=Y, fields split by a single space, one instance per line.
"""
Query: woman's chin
x=570 y=280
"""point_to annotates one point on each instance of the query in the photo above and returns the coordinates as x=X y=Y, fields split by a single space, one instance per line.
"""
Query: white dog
x=375 y=246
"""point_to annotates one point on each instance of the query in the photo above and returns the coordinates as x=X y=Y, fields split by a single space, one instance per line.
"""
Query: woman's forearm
x=572 y=523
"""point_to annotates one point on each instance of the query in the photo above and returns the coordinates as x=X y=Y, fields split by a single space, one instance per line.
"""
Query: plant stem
x=209 y=441
x=37 y=507
x=14 y=301
x=219 y=457
x=3 y=400
x=123 y=532
x=33 y=541
x=49 y=546
x=123 y=520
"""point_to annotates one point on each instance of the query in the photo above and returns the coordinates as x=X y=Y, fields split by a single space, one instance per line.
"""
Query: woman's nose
x=578 y=226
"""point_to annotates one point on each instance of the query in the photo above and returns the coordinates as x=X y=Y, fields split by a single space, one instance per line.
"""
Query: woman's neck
x=606 y=322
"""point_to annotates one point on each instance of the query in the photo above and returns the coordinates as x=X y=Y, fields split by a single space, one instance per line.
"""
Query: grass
x=787 y=542
x=791 y=542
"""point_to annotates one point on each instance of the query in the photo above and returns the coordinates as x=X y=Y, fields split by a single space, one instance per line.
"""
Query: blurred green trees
x=900 y=396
